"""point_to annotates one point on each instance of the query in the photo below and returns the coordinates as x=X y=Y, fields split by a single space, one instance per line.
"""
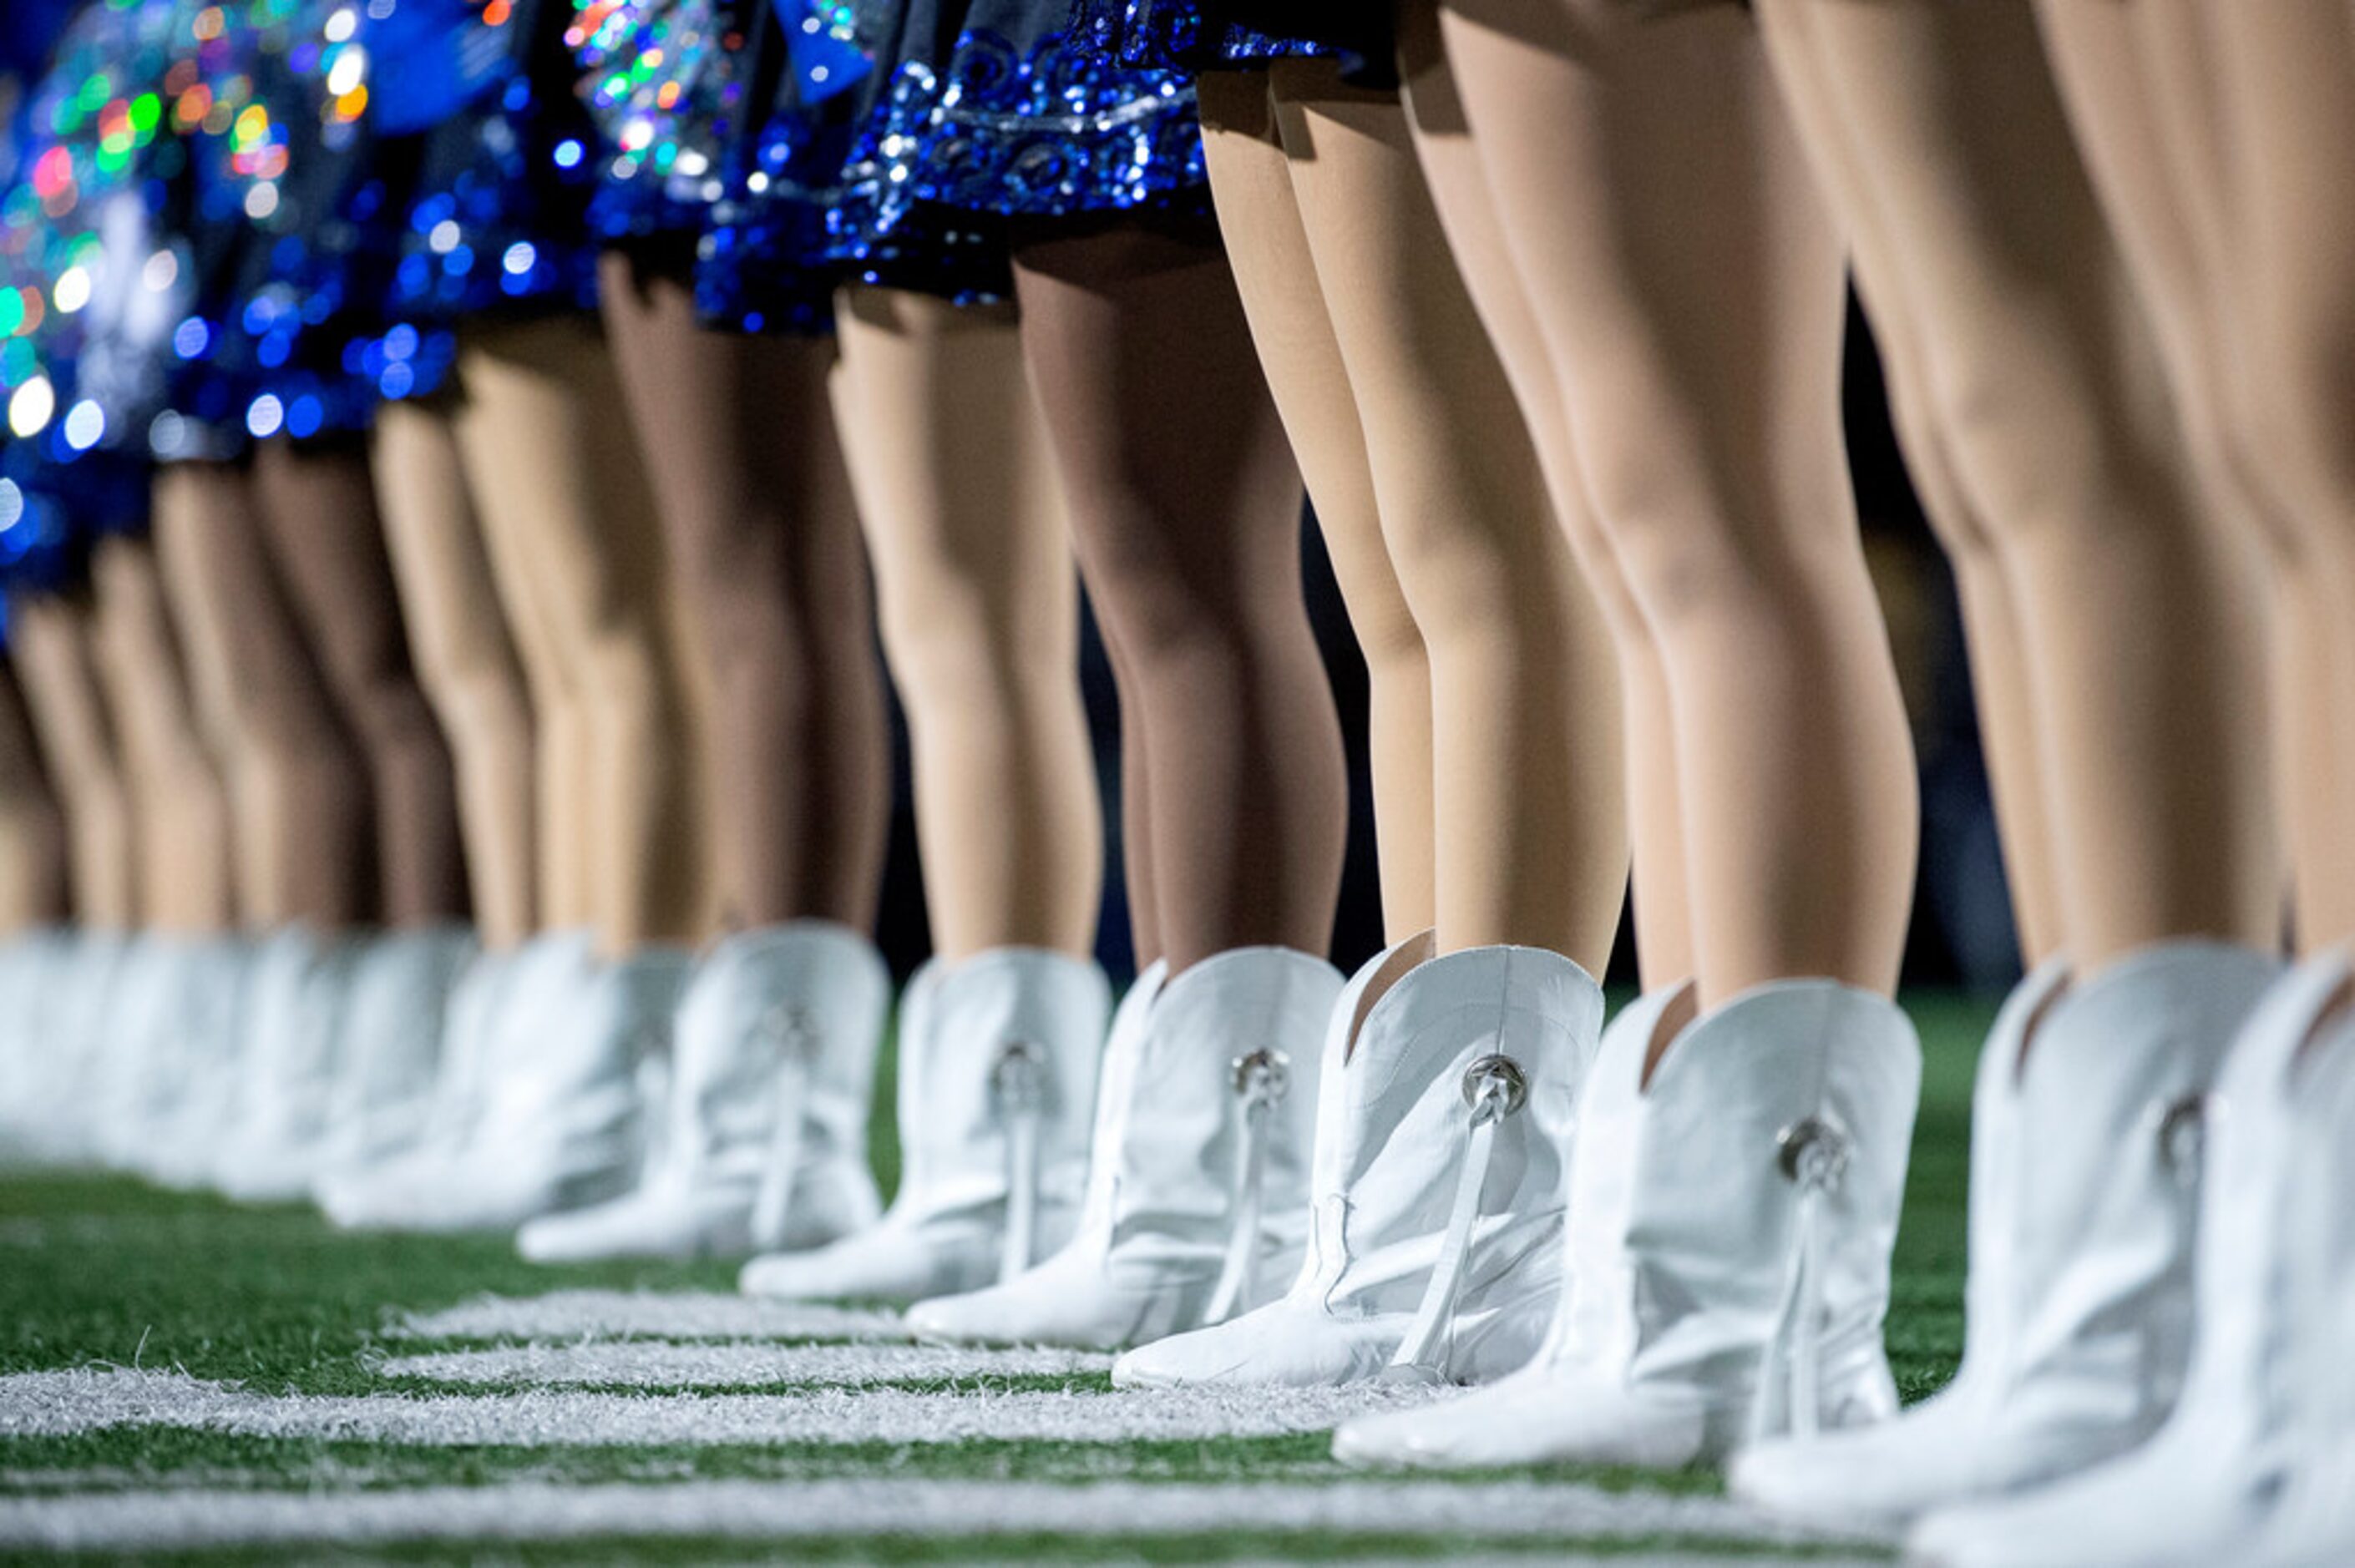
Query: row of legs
x=656 y=678
x=2050 y=318
x=1675 y=354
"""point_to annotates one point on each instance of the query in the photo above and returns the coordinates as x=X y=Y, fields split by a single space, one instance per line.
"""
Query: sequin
x=1049 y=129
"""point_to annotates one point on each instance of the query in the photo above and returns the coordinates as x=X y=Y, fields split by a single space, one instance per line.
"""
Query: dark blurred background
x=1961 y=933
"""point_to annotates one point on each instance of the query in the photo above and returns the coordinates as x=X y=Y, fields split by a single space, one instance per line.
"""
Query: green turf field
x=293 y=1389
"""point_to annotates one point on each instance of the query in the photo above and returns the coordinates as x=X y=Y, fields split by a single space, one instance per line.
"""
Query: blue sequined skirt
x=498 y=220
x=89 y=280
x=1007 y=108
x=1201 y=35
x=313 y=262
x=973 y=123
x=668 y=83
x=768 y=261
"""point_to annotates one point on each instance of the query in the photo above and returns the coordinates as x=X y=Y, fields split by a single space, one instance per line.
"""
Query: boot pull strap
x=788 y=1024
x=651 y=1081
x=1495 y=1087
x=1258 y=1081
x=1813 y=1156
x=1017 y=1087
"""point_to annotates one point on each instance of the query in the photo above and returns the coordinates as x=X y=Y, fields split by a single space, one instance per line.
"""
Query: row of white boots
x=1663 y=1243
x=413 y=1081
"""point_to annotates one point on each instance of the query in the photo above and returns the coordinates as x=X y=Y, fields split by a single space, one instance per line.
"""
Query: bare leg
x=564 y=854
x=32 y=830
x=1945 y=141
x=1136 y=807
x=1459 y=188
x=765 y=541
x=577 y=553
x=324 y=538
x=1292 y=326
x=2285 y=75
x=2144 y=100
x=1143 y=363
x=298 y=794
x=50 y=639
x=186 y=872
x=466 y=663
x=1531 y=834
x=1993 y=642
x=980 y=616
x=1689 y=292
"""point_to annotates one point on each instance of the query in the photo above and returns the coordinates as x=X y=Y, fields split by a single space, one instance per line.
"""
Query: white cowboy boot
x=496 y=1009
x=188 y=1144
x=391 y=1049
x=301 y=988
x=183 y=1051
x=32 y=966
x=2216 y=1475
x=2080 y=1325
x=1951 y=1416
x=1443 y=1136
x=2313 y=1525
x=1728 y=1244
x=73 y=1036
x=33 y=1066
x=997 y=1068
x=568 y=1108
x=145 y=1062
x=766 y=1145
x=1212 y=1127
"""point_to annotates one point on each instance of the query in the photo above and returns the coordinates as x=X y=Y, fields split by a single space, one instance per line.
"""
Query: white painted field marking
x=63 y=1403
x=939 y=1510
x=643 y=1314
x=659 y=1365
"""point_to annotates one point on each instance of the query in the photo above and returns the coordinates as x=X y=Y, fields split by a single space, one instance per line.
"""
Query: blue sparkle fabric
x=88 y=281
x=667 y=82
x=800 y=196
x=974 y=121
x=1194 y=34
x=500 y=215
x=835 y=197
x=1009 y=108
x=316 y=256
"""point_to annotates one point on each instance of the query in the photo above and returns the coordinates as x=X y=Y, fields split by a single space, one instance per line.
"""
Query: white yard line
x=659 y=1365
x=643 y=1314
x=940 y=1509
x=63 y=1403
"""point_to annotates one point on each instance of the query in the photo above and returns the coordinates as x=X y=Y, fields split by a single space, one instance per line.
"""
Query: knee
x=2287 y=442
x=1391 y=644
x=397 y=726
x=1498 y=573
x=1930 y=465
x=962 y=654
x=478 y=684
x=625 y=678
x=731 y=558
x=1380 y=619
x=1668 y=535
x=2034 y=454
x=1165 y=612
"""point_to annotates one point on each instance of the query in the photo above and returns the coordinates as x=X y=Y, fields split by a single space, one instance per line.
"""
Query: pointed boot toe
x=2257 y=1418
x=761 y=1140
x=1727 y=1246
x=2085 y=1172
x=1197 y=1197
x=1447 y=1095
